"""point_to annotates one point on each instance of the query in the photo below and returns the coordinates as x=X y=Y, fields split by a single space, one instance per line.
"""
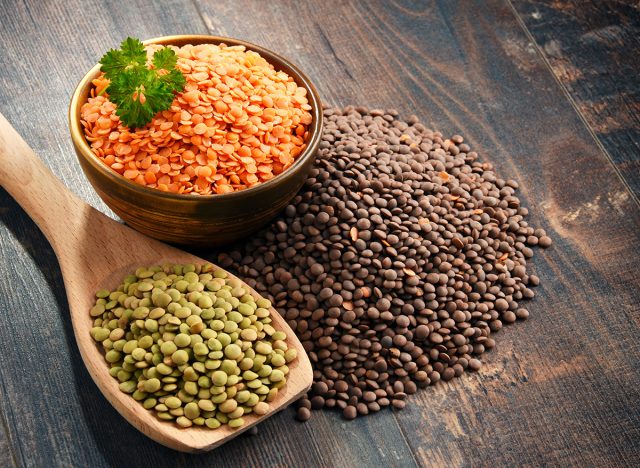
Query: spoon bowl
x=96 y=252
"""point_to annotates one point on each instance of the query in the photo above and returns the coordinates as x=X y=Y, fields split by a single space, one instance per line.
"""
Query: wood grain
x=561 y=389
x=593 y=48
x=7 y=455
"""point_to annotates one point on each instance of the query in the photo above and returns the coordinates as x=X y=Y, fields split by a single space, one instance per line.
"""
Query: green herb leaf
x=174 y=79
x=165 y=59
x=139 y=92
x=130 y=55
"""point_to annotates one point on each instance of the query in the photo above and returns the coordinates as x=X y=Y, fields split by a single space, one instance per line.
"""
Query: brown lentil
x=394 y=263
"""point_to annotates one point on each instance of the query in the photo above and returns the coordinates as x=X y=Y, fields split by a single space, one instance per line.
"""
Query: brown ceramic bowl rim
x=315 y=129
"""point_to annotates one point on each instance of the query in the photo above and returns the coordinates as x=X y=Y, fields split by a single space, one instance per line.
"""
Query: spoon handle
x=44 y=197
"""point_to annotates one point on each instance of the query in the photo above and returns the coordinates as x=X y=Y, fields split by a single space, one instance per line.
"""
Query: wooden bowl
x=203 y=220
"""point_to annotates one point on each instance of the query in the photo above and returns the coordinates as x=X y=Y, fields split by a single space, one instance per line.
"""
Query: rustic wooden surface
x=592 y=47
x=561 y=389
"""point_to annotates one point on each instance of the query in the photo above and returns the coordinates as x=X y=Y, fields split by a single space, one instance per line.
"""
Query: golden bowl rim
x=315 y=129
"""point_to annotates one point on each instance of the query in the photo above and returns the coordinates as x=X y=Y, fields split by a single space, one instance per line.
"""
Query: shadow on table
x=119 y=443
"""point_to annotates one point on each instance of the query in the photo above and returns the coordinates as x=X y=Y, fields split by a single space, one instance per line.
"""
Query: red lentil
x=238 y=123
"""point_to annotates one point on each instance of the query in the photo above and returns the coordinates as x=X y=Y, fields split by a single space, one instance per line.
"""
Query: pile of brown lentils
x=395 y=262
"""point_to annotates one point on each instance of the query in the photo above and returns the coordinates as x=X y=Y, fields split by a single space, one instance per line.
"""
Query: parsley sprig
x=140 y=92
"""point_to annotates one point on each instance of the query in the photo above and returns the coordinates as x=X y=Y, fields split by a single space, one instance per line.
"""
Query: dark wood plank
x=560 y=389
x=7 y=455
x=593 y=48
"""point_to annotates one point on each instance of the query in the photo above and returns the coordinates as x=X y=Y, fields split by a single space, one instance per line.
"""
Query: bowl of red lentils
x=229 y=154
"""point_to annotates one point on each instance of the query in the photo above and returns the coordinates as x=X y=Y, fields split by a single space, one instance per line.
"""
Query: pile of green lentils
x=192 y=344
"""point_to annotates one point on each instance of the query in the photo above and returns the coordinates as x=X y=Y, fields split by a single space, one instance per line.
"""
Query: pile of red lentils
x=237 y=123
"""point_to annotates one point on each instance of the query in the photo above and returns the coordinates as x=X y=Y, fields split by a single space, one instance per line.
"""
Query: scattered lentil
x=394 y=263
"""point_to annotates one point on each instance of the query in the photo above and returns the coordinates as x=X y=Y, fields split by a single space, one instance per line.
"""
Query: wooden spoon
x=96 y=252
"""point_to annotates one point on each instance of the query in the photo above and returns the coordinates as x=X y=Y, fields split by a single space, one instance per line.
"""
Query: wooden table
x=548 y=91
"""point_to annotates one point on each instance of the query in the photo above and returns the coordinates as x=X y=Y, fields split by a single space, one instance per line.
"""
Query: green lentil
x=230 y=327
x=279 y=345
x=290 y=354
x=233 y=351
x=261 y=408
x=191 y=388
x=206 y=405
x=177 y=412
x=276 y=375
x=184 y=422
x=263 y=348
x=123 y=375
x=262 y=390
x=254 y=384
x=231 y=391
x=242 y=396
x=214 y=344
x=249 y=334
x=224 y=339
x=245 y=364
x=218 y=389
x=145 y=342
x=191 y=410
x=172 y=402
x=182 y=340
x=219 y=378
x=278 y=360
x=116 y=334
x=220 y=398
x=191 y=344
x=145 y=287
x=113 y=356
x=212 y=423
x=138 y=354
x=97 y=310
x=152 y=385
x=229 y=366
x=139 y=396
x=200 y=349
x=239 y=411
x=168 y=347
x=149 y=403
x=158 y=312
x=100 y=334
x=253 y=400
x=228 y=406
x=216 y=355
x=180 y=357
x=272 y=394
x=265 y=371
x=128 y=387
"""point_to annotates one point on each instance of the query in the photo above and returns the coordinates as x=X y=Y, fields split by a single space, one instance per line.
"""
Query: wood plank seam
x=572 y=102
x=202 y=18
x=405 y=439
x=332 y=49
x=9 y=433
